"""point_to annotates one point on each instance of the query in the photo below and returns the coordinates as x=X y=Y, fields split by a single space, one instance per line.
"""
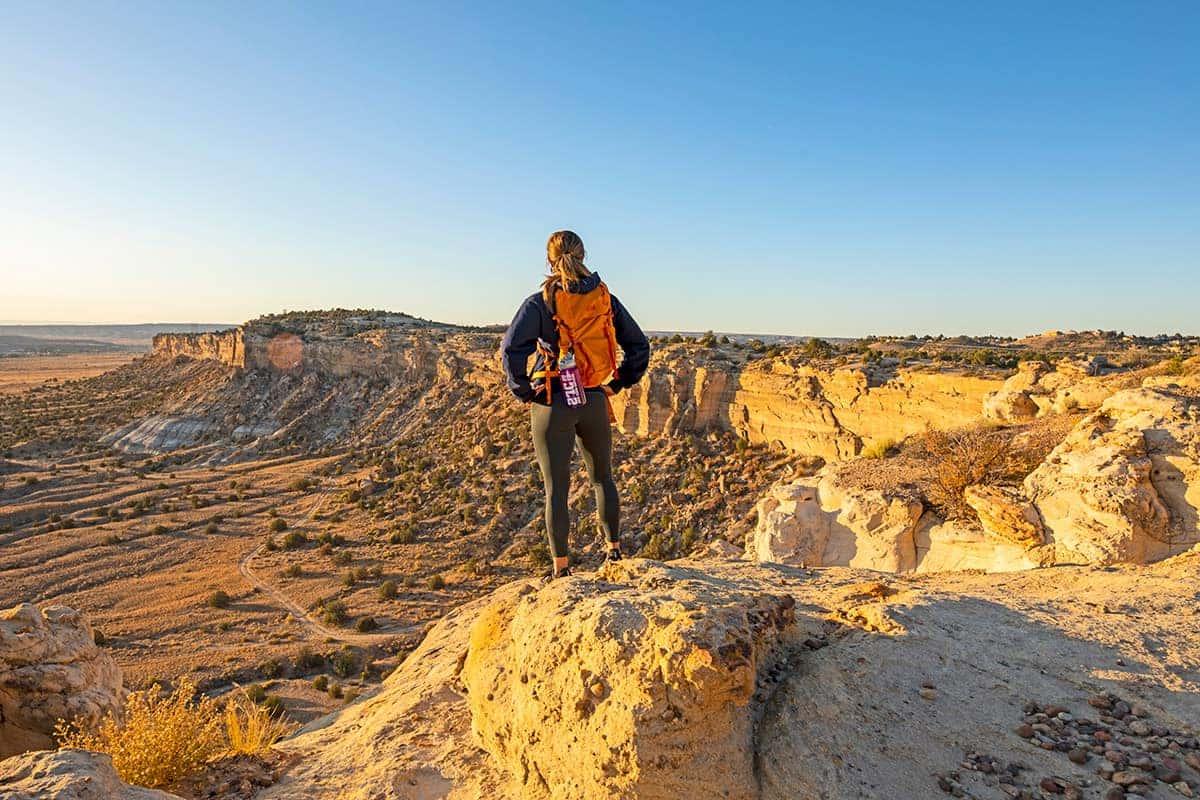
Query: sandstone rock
x=819 y=522
x=644 y=681
x=1008 y=405
x=1035 y=390
x=789 y=403
x=680 y=657
x=833 y=700
x=68 y=775
x=50 y=669
x=1006 y=515
x=1125 y=483
x=956 y=545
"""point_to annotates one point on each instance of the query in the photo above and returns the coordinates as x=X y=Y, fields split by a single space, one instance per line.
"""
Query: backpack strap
x=611 y=330
x=546 y=372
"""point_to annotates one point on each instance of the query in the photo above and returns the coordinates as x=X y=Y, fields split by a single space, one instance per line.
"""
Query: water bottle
x=571 y=380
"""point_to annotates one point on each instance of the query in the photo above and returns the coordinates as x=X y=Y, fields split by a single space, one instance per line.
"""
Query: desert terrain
x=21 y=373
x=891 y=553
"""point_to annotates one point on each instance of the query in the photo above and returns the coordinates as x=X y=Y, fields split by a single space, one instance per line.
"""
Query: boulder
x=68 y=775
x=1005 y=515
x=50 y=669
x=643 y=689
x=1124 y=486
x=1009 y=405
x=819 y=521
x=956 y=545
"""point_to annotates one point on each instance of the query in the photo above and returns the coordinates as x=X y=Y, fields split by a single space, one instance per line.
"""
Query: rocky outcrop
x=1005 y=515
x=158 y=434
x=670 y=714
x=825 y=521
x=736 y=680
x=227 y=347
x=387 y=351
x=1036 y=389
x=818 y=522
x=1125 y=483
x=789 y=403
x=643 y=681
x=68 y=775
x=50 y=670
x=1124 y=486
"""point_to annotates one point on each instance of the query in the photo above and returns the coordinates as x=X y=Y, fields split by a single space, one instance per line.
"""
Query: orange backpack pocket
x=585 y=326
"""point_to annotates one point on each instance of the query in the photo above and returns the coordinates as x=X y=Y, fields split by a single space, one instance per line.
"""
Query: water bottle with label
x=572 y=381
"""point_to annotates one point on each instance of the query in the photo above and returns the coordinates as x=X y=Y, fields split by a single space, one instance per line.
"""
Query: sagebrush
x=157 y=739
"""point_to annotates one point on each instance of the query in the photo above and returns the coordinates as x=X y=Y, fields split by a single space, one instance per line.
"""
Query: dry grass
x=881 y=448
x=250 y=728
x=158 y=739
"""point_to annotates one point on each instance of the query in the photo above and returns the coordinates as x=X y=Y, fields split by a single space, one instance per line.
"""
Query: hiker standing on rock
x=575 y=326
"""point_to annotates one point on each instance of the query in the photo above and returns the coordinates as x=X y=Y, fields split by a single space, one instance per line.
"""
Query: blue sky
x=824 y=168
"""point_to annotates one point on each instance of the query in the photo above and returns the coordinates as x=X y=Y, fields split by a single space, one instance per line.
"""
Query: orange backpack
x=585 y=326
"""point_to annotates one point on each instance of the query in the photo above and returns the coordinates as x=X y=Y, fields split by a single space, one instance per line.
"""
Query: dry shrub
x=158 y=739
x=996 y=456
x=250 y=728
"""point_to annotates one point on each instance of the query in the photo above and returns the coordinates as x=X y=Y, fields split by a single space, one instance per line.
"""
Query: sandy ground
x=23 y=372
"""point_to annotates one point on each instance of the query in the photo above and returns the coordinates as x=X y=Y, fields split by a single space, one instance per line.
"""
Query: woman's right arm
x=520 y=341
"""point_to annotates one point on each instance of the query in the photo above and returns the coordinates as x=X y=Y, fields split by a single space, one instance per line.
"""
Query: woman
x=573 y=319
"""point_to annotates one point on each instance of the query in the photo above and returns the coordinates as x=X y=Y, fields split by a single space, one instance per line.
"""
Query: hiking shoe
x=565 y=572
x=613 y=554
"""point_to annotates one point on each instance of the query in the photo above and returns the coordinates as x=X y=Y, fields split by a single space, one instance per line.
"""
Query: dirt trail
x=301 y=615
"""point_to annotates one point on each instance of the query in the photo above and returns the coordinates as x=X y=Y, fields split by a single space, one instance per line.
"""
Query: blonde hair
x=564 y=255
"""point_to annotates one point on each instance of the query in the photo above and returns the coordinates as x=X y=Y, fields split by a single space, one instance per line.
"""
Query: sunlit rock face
x=50 y=670
x=1122 y=487
x=831 y=413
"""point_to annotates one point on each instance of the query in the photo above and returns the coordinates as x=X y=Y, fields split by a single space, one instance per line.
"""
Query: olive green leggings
x=555 y=429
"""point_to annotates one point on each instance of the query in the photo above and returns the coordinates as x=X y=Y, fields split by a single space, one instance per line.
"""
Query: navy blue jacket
x=533 y=320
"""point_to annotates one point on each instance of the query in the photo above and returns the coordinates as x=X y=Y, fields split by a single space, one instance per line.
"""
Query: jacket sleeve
x=634 y=346
x=520 y=341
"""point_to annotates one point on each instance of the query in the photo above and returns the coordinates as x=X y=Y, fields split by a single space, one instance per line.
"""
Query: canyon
x=348 y=500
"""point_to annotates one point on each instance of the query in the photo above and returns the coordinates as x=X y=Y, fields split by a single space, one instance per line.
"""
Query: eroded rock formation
x=50 y=669
x=1036 y=389
x=1124 y=486
x=643 y=689
x=818 y=521
x=735 y=680
x=831 y=413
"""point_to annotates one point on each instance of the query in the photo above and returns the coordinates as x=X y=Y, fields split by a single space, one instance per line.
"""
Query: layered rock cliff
x=784 y=401
x=228 y=347
x=831 y=412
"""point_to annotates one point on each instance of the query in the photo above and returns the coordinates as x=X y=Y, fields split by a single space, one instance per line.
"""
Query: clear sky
x=824 y=168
